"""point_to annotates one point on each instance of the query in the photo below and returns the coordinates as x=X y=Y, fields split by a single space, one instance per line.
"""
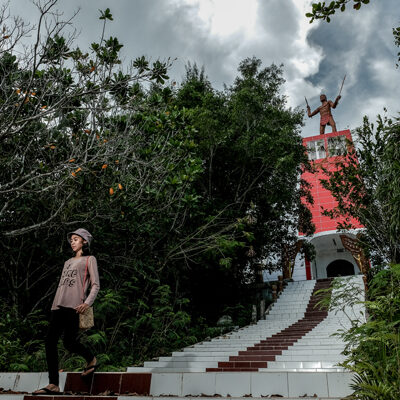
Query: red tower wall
x=322 y=197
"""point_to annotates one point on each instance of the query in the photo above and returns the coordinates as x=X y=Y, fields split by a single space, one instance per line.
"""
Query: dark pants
x=64 y=320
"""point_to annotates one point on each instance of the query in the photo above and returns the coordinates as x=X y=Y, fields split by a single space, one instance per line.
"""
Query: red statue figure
x=325 y=112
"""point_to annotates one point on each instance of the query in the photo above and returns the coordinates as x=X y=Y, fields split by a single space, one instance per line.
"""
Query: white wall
x=324 y=258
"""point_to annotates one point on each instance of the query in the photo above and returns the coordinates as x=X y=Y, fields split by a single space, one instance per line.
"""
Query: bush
x=373 y=347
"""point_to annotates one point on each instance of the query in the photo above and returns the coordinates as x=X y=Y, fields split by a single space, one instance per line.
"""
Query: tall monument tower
x=332 y=257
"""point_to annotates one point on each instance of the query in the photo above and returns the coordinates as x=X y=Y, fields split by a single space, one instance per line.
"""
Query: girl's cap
x=83 y=233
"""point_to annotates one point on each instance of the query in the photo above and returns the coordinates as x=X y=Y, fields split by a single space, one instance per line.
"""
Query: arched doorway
x=339 y=268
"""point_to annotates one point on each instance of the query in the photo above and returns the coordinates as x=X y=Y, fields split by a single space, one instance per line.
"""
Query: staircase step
x=253 y=353
x=253 y=357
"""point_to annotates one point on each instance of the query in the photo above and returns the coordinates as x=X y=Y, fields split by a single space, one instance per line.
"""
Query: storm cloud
x=220 y=33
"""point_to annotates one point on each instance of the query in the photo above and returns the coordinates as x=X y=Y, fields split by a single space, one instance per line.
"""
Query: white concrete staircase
x=288 y=309
x=290 y=353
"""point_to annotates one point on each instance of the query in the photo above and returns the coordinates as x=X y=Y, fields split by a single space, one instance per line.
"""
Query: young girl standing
x=68 y=302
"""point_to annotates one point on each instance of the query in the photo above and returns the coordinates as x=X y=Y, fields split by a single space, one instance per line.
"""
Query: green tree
x=184 y=189
x=252 y=154
x=57 y=106
x=324 y=11
x=83 y=143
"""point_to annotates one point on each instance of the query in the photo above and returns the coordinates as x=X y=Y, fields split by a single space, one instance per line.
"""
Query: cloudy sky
x=220 y=33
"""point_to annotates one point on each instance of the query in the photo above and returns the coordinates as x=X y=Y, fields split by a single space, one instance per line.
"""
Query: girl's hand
x=81 y=308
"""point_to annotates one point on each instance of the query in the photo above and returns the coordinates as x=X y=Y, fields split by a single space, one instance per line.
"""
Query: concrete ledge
x=11 y=396
x=256 y=384
x=27 y=381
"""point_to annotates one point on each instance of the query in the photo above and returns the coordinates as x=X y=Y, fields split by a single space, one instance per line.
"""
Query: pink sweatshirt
x=69 y=291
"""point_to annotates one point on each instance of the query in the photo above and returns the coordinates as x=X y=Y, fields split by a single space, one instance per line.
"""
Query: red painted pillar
x=308 y=269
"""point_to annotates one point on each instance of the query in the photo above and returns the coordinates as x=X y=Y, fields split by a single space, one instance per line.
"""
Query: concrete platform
x=254 y=384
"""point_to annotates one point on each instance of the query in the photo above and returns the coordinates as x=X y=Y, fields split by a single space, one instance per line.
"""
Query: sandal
x=93 y=367
x=46 y=392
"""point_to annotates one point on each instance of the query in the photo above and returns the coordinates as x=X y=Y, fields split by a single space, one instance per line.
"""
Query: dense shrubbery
x=373 y=341
x=184 y=188
x=374 y=347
